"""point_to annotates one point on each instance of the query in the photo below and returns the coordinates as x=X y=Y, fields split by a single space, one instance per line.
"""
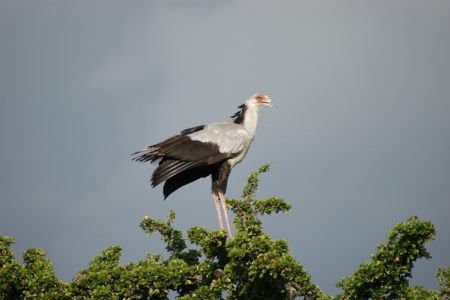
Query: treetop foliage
x=205 y=265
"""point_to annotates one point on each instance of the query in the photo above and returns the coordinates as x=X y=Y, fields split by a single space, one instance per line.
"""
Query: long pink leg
x=217 y=205
x=225 y=213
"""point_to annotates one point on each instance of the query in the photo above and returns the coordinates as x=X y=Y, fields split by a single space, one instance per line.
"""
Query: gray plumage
x=212 y=149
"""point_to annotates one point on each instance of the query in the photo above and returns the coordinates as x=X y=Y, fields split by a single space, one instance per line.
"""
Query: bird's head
x=259 y=100
x=253 y=104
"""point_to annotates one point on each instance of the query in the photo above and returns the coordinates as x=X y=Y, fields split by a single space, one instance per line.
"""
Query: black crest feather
x=239 y=116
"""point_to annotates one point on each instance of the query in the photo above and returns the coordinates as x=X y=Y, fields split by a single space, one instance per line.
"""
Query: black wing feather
x=190 y=175
x=182 y=160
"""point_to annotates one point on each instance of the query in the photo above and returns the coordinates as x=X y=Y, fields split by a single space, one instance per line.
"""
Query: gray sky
x=359 y=132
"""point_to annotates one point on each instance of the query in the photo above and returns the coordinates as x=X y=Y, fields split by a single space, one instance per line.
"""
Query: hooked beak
x=263 y=100
x=267 y=102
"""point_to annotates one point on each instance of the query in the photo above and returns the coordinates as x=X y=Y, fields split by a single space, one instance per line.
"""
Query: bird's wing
x=228 y=137
x=201 y=145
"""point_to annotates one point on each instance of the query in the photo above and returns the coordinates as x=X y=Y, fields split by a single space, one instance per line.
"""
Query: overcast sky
x=359 y=135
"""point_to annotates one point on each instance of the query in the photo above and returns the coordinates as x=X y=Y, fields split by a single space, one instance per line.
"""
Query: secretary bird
x=211 y=149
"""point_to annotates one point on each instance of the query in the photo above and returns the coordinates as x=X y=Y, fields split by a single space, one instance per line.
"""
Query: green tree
x=205 y=265
x=386 y=276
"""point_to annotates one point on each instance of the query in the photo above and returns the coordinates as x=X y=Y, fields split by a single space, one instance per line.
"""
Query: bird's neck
x=251 y=120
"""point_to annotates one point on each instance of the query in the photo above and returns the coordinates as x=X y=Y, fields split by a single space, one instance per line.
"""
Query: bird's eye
x=260 y=97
